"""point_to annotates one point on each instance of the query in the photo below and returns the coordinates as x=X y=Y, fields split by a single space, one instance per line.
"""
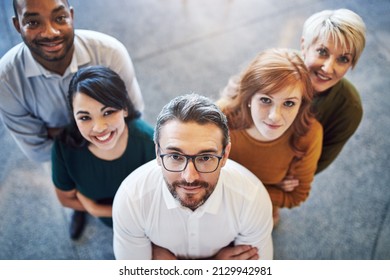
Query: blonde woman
x=331 y=44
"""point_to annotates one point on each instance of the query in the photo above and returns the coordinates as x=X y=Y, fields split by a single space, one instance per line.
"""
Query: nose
x=274 y=114
x=49 y=30
x=190 y=174
x=100 y=126
x=328 y=65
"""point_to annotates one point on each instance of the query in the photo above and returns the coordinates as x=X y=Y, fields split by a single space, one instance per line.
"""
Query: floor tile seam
x=207 y=36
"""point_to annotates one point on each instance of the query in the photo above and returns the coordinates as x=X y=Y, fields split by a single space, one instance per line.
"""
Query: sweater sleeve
x=340 y=114
x=302 y=169
x=338 y=134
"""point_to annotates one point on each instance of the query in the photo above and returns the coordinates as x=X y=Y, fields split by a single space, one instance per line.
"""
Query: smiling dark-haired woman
x=104 y=143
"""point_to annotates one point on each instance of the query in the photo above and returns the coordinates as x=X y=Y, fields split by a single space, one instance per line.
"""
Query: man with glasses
x=192 y=202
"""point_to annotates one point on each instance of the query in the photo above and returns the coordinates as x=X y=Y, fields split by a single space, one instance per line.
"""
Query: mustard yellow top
x=271 y=161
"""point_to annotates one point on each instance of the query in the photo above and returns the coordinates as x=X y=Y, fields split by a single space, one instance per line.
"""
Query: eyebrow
x=205 y=151
x=82 y=112
x=325 y=47
x=86 y=112
x=288 y=98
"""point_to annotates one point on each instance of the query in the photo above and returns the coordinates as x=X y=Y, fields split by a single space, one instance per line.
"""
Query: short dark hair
x=193 y=108
x=103 y=85
x=15 y=4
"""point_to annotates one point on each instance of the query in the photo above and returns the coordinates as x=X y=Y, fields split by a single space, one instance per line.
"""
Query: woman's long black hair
x=103 y=85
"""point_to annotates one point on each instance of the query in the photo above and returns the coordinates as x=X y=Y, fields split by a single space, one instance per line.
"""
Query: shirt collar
x=80 y=57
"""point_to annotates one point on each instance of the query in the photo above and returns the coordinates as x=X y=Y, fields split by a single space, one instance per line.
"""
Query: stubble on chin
x=189 y=200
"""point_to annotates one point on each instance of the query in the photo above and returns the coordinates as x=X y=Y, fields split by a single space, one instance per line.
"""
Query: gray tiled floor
x=195 y=45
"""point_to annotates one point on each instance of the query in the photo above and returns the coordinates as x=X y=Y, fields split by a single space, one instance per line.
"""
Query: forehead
x=82 y=100
x=190 y=137
x=39 y=6
x=287 y=92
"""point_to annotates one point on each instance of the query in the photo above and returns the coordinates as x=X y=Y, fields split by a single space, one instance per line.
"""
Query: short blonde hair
x=343 y=26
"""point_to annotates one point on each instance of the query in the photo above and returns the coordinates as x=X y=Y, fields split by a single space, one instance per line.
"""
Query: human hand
x=288 y=184
x=52 y=132
x=238 y=252
x=160 y=253
x=88 y=203
x=94 y=208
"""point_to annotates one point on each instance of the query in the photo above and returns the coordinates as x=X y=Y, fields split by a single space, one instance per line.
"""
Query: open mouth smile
x=322 y=77
x=52 y=46
x=104 y=138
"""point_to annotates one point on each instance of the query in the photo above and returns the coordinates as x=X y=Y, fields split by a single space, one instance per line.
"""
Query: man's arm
x=258 y=231
x=119 y=60
x=53 y=132
x=160 y=253
x=30 y=135
x=239 y=252
x=256 y=217
x=94 y=208
x=130 y=241
x=26 y=115
x=69 y=199
x=124 y=67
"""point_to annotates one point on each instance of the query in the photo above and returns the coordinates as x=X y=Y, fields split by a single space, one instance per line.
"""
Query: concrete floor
x=194 y=46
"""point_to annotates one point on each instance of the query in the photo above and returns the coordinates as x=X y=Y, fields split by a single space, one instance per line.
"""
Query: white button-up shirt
x=144 y=212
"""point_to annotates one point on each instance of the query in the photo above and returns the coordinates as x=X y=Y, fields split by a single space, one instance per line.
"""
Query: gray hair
x=344 y=26
x=193 y=108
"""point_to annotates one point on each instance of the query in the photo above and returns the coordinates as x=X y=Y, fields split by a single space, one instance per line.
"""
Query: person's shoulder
x=141 y=129
x=60 y=149
x=239 y=179
x=66 y=150
x=144 y=170
x=346 y=91
x=347 y=85
x=11 y=57
x=313 y=136
x=142 y=180
x=315 y=127
x=86 y=36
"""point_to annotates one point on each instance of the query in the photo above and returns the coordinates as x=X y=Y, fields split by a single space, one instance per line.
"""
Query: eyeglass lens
x=203 y=163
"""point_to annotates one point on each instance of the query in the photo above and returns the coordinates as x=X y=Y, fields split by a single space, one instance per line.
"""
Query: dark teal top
x=98 y=179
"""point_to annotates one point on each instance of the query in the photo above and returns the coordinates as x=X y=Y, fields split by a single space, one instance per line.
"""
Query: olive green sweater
x=340 y=113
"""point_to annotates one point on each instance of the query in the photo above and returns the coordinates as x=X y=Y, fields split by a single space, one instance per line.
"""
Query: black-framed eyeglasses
x=206 y=163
